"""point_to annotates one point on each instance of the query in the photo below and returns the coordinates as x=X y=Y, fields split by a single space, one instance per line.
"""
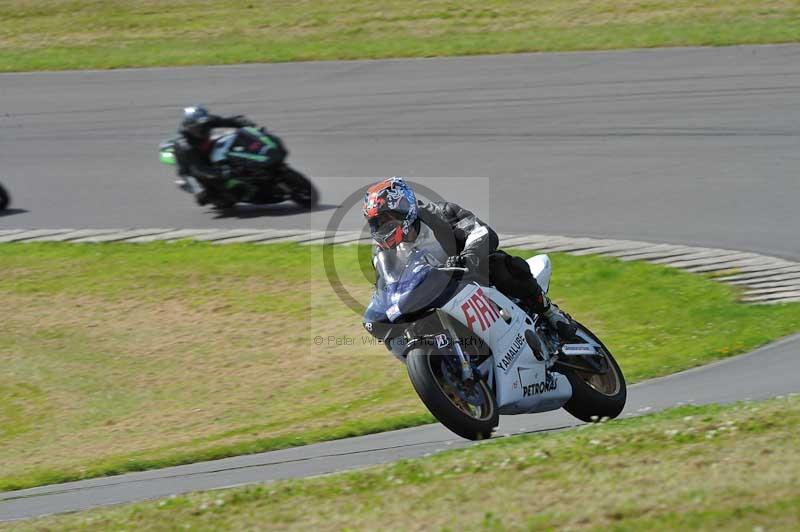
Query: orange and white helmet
x=390 y=208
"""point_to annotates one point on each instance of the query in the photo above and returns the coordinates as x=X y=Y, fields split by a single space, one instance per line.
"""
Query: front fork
x=189 y=184
x=467 y=372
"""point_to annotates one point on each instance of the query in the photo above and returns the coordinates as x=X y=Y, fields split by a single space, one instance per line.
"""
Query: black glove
x=456 y=261
x=242 y=121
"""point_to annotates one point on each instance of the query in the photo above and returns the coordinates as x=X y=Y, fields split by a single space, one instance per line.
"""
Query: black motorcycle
x=5 y=199
x=256 y=163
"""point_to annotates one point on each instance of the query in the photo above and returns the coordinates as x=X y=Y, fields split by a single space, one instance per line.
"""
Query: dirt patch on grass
x=137 y=373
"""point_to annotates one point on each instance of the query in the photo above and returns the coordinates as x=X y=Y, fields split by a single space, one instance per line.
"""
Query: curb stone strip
x=764 y=279
x=34 y=233
x=770 y=279
x=270 y=235
x=654 y=253
x=760 y=272
x=224 y=234
x=739 y=264
x=702 y=256
x=124 y=235
x=71 y=235
x=621 y=247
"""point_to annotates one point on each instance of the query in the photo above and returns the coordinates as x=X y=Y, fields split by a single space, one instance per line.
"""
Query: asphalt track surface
x=688 y=146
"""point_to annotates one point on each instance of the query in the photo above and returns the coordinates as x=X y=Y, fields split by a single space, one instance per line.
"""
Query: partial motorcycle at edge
x=5 y=199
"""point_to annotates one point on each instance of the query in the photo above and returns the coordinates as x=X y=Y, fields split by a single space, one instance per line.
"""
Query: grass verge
x=729 y=468
x=121 y=357
x=75 y=34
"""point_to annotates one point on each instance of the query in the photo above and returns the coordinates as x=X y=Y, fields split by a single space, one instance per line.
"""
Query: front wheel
x=302 y=190
x=5 y=199
x=468 y=410
x=596 y=396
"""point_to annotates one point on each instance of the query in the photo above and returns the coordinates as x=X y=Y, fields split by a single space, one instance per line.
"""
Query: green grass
x=729 y=468
x=121 y=357
x=74 y=34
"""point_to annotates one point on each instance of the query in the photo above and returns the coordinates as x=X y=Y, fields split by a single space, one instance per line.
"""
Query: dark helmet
x=390 y=208
x=194 y=121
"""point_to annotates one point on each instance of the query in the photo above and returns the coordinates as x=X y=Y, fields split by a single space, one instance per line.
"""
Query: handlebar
x=452 y=270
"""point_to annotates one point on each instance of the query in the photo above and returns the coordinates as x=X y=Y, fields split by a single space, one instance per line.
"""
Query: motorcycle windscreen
x=408 y=282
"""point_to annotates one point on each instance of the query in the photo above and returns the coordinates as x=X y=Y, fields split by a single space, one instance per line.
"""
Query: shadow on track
x=10 y=212
x=280 y=209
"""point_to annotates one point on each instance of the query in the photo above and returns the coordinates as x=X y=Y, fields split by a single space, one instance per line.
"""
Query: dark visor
x=383 y=225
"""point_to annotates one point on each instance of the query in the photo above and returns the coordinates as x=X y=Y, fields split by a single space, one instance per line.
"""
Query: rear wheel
x=5 y=199
x=302 y=190
x=596 y=396
x=469 y=410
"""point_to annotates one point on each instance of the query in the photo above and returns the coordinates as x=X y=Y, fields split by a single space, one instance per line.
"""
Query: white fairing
x=222 y=146
x=541 y=270
x=522 y=383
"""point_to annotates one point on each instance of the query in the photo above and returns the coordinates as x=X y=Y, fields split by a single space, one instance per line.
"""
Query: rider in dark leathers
x=193 y=148
x=395 y=216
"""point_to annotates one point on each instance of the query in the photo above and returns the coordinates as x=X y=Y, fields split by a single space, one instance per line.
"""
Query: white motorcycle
x=473 y=354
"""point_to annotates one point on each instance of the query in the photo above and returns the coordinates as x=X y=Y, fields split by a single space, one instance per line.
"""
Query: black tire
x=421 y=363
x=303 y=191
x=5 y=199
x=594 y=397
